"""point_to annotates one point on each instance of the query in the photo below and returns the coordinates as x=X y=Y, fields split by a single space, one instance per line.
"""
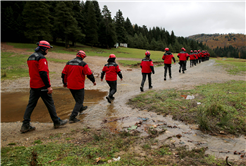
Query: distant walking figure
x=168 y=57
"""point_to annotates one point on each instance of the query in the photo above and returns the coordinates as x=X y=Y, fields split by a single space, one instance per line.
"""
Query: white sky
x=185 y=18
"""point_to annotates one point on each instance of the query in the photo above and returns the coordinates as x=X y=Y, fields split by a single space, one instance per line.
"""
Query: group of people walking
x=73 y=78
x=148 y=67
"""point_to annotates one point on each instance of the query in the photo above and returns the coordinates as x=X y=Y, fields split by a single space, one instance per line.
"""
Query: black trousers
x=167 y=67
x=144 y=78
x=78 y=96
x=182 y=65
x=35 y=94
x=112 y=88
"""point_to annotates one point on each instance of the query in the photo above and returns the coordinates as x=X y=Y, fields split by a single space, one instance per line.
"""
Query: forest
x=68 y=23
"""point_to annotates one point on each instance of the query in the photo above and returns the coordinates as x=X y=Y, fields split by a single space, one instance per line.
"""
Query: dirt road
x=206 y=72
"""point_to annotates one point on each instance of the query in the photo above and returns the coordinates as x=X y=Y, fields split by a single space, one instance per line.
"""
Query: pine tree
x=119 y=26
x=107 y=35
x=129 y=27
x=65 y=24
x=91 y=25
x=36 y=16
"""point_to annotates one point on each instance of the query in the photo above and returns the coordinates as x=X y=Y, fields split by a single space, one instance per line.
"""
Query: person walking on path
x=168 y=57
x=111 y=69
x=40 y=87
x=73 y=77
x=182 y=58
x=192 y=58
x=147 y=67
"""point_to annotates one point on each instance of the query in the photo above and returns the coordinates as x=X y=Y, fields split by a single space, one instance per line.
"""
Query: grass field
x=232 y=65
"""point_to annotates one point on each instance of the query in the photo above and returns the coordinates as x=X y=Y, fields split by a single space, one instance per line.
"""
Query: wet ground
x=118 y=116
x=15 y=104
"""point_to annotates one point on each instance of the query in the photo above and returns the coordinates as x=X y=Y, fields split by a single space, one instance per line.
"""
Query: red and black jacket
x=192 y=56
x=38 y=71
x=167 y=57
x=112 y=70
x=147 y=66
x=182 y=56
x=73 y=74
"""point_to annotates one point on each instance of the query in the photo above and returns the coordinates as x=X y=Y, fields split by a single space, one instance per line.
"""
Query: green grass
x=13 y=65
x=94 y=51
x=232 y=65
x=106 y=145
x=223 y=105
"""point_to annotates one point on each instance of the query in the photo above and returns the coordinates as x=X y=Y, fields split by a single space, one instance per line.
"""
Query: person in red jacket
x=168 y=57
x=147 y=67
x=192 y=58
x=182 y=58
x=196 y=59
x=73 y=77
x=111 y=69
x=40 y=87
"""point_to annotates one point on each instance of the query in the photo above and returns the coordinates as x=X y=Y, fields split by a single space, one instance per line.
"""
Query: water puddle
x=13 y=105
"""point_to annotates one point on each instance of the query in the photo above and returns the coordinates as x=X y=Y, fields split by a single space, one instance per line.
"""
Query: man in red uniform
x=147 y=67
x=73 y=77
x=192 y=58
x=168 y=57
x=111 y=69
x=40 y=87
x=182 y=58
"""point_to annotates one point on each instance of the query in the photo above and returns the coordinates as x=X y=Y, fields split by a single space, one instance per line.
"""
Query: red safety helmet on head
x=191 y=50
x=166 y=49
x=112 y=56
x=44 y=43
x=195 y=50
x=199 y=50
x=147 y=53
x=81 y=54
x=182 y=48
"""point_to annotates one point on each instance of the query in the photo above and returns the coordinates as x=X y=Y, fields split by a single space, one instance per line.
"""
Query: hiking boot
x=179 y=70
x=183 y=72
x=73 y=120
x=150 y=87
x=82 y=109
x=61 y=123
x=170 y=77
x=26 y=127
x=112 y=98
x=165 y=79
x=108 y=99
x=141 y=89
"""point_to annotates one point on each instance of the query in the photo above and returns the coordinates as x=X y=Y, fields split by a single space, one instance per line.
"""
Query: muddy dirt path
x=121 y=115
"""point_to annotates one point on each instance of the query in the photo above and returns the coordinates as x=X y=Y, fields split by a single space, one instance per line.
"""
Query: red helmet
x=199 y=50
x=182 y=48
x=44 y=43
x=112 y=56
x=147 y=53
x=81 y=54
x=166 y=49
x=191 y=50
x=195 y=50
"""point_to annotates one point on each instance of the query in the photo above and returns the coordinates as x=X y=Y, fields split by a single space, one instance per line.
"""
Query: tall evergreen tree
x=91 y=25
x=119 y=26
x=107 y=33
x=65 y=24
x=36 y=16
x=129 y=27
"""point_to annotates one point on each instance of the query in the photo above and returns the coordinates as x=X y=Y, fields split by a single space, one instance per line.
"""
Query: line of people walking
x=73 y=78
x=147 y=66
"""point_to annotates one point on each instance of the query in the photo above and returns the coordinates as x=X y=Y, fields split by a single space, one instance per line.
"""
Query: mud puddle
x=168 y=131
x=13 y=105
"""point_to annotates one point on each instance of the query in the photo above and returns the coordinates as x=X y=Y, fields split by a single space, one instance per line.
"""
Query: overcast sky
x=185 y=18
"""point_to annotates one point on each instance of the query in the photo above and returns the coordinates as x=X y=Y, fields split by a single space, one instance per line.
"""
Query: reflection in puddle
x=13 y=105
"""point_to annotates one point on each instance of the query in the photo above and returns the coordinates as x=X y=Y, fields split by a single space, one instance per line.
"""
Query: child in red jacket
x=147 y=67
x=111 y=69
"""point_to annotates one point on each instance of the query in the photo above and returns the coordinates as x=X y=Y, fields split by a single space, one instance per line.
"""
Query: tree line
x=64 y=22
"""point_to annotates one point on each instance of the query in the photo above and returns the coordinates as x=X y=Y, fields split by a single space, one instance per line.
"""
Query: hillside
x=221 y=40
